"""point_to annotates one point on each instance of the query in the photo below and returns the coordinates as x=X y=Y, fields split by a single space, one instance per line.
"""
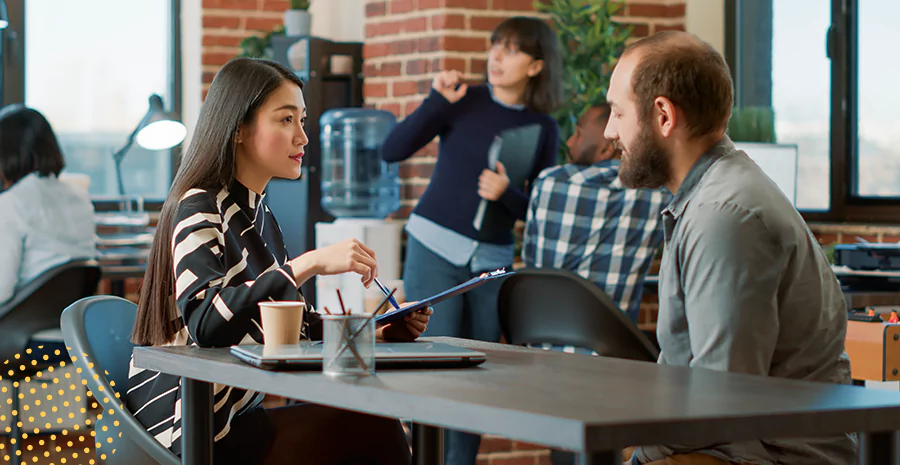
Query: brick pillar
x=409 y=41
x=227 y=22
x=652 y=16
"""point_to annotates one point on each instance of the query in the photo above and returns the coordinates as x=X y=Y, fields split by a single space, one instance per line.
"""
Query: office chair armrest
x=38 y=283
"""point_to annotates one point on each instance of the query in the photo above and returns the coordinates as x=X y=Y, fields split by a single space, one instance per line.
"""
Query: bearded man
x=744 y=285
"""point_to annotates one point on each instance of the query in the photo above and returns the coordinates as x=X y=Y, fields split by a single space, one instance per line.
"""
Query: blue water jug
x=356 y=183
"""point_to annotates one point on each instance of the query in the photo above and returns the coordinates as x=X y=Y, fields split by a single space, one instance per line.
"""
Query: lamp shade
x=160 y=129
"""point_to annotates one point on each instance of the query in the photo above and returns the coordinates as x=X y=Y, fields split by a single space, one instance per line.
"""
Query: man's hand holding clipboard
x=440 y=297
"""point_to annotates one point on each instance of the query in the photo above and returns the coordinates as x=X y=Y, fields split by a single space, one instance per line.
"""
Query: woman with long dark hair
x=218 y=253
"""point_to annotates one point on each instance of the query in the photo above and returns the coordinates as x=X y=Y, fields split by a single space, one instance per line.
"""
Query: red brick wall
x=409 y=41
x=227 y=22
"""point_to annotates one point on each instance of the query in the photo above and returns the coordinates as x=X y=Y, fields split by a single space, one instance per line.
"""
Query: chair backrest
x=546 y=306
x=97 y=331
x=38 y=305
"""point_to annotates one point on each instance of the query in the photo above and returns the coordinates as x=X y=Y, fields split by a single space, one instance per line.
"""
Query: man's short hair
x=687 y=71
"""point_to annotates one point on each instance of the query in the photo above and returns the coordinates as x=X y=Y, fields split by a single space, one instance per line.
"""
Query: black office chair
x=33 y=314
x=97 y=331
x=546 y=306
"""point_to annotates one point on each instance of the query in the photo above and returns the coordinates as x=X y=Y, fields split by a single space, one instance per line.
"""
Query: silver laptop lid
x=383 y=351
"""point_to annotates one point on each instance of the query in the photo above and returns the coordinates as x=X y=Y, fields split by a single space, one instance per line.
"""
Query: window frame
x=841 y=44
x=12 y=80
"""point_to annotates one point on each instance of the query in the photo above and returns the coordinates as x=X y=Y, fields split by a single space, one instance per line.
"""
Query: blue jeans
x=472 y=315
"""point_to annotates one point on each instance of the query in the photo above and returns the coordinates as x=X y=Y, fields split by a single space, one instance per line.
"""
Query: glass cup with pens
x=349 y=339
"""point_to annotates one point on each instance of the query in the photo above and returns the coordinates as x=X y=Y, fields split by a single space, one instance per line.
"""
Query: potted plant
x=297 y=20
x=752 y=124
x=591 y=43
x=255 y=46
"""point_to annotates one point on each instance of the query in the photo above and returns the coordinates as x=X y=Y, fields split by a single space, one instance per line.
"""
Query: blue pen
x=386 y=292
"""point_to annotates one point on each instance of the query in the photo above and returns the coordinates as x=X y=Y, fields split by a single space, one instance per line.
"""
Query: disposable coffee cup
x=281 y=322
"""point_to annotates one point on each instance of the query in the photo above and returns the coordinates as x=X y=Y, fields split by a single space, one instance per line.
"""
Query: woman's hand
x=446 y=82
x=409 y=329
x=346 y=256
x=492 y=185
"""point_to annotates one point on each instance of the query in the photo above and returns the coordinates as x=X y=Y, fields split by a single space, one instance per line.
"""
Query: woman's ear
x=535 y=68
x=237 y=136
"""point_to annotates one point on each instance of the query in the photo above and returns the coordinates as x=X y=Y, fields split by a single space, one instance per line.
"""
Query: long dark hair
x=543 y=93
x=234 y=98
x=27 y=144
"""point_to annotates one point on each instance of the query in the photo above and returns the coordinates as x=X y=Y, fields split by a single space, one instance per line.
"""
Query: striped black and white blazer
x=228 y=255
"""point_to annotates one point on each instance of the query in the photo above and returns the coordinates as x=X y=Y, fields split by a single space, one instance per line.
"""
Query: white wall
x=706 y=19
x=191 y=66
x=339 y=20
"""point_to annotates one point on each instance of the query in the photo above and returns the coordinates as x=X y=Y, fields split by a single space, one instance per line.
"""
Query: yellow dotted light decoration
x=36 y=397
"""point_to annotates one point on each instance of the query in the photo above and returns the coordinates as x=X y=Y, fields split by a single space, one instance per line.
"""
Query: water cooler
x=333 y=75
x=360 y=191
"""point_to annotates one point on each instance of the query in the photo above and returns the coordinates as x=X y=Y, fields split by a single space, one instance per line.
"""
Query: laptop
x=308 y=356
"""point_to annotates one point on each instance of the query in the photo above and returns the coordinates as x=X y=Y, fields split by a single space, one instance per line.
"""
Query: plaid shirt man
x=581 y=219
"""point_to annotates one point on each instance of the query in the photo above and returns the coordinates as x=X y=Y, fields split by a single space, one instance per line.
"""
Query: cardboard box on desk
x=874 y=350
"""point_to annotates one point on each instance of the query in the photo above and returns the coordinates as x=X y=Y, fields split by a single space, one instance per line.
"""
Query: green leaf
x=591 y=42
x=752 y=124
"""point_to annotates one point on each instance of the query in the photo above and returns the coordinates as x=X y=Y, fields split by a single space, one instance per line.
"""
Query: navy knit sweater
x=467 y=129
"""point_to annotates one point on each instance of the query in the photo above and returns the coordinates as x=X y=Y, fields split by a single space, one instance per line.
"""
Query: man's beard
x=647 y=164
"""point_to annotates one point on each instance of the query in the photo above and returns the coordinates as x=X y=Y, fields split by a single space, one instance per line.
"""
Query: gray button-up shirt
x=745 y=287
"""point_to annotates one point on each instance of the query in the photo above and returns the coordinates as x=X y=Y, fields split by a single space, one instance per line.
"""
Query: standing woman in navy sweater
x=444 y=247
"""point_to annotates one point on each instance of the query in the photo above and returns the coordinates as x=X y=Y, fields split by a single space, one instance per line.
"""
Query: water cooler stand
x=384 y=238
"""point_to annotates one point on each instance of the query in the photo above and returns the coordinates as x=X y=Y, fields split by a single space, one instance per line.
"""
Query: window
x=823 y=67
x=801 y=85
x=878 y=156
x=90 y=68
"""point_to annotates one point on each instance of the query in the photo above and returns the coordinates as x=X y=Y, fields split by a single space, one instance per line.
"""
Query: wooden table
x=589 y=405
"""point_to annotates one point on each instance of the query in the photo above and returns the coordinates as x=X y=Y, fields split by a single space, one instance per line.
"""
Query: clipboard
x=390 y=317
x=517 y=148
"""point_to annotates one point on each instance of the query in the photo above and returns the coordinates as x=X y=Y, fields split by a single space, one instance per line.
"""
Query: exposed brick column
x=409 y=41
x=227 y=22
x=651 y=16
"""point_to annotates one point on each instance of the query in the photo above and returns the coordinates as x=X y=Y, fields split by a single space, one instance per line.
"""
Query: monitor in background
x=778 y=161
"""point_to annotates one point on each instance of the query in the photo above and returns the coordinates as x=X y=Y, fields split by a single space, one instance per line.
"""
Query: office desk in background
x=593 y=406
x=123 y=246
